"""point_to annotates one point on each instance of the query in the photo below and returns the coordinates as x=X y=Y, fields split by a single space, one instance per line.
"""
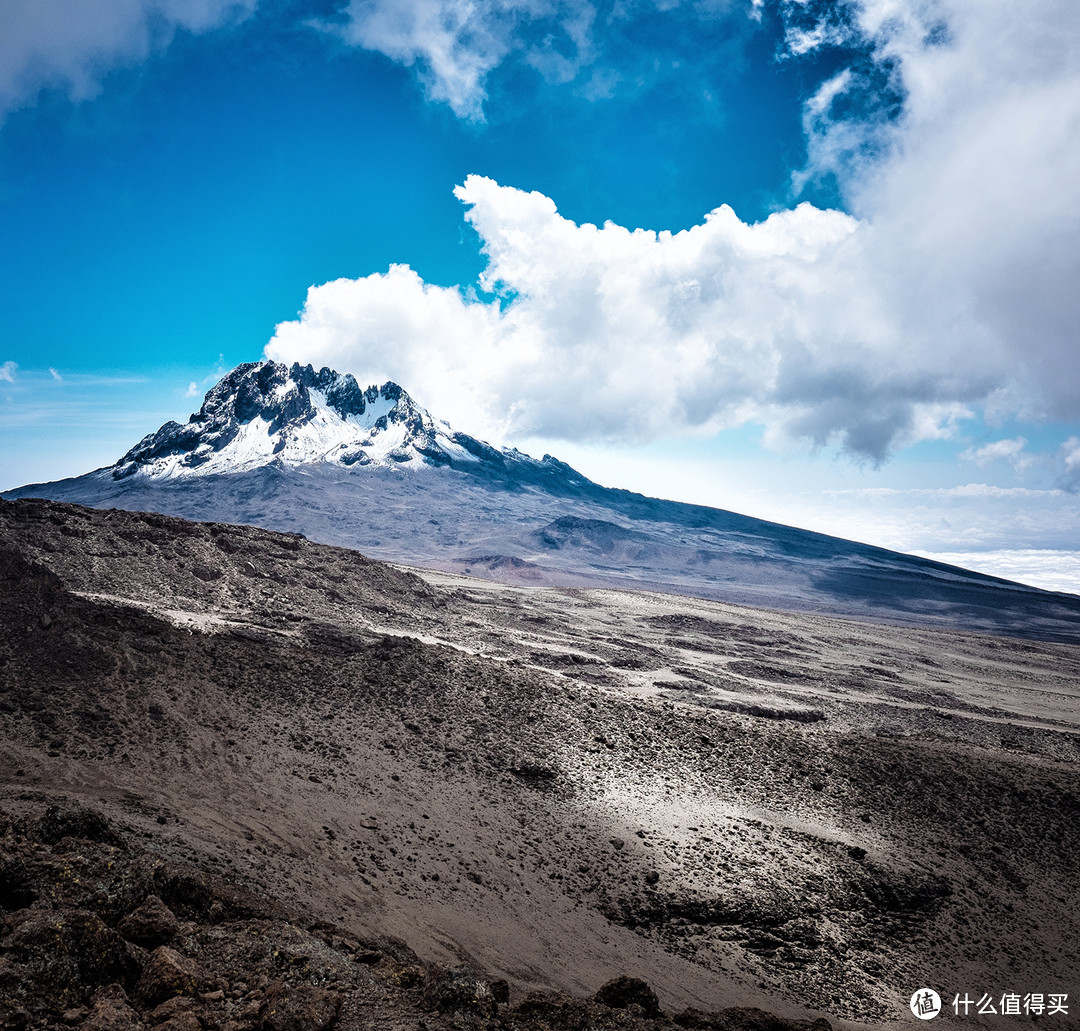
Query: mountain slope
x=741 y=807
x=102 y=951
x=310 y=452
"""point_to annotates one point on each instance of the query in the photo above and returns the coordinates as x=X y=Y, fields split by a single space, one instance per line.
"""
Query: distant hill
x=311 y=452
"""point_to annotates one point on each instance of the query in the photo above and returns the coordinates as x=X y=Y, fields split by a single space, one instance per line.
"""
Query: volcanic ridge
x=311 y=452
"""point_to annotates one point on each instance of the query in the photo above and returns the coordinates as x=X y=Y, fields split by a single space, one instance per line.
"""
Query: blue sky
x=854 y=307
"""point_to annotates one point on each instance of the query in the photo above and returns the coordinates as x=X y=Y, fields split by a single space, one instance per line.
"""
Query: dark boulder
x=459 y=992
x=298 y=1008
x=152 y=924
x=168 y=973
x=112 y=1012
x=629 y=991
x=62 y=955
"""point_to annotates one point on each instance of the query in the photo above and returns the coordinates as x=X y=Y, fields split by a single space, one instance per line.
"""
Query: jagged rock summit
x=265 y=412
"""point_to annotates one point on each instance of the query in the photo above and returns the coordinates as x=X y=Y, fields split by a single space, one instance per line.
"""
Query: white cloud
x=607 y=333
x=393 y=325
x=1069 y=459
x=971 y=196
x=974 y=517
x=1049 y=569
x=949 y=293
x=72 y=44
x=454 y=44
x=192 y=390
x=964 y=490
x=56 y=375
x=7 y=372
x=1010 y=450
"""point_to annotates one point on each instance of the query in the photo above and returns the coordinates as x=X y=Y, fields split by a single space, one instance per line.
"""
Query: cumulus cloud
x=7 y=372
x=433 y=340
x=955 y=138
x=608 y=333
x=454 y=44
x=72 y=44
x=947 y=292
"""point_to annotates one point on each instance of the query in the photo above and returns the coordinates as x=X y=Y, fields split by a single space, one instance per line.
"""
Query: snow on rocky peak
x=264 y=412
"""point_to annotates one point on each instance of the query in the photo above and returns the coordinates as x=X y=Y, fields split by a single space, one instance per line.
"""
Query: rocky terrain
x=555 y=788
x=101 y=933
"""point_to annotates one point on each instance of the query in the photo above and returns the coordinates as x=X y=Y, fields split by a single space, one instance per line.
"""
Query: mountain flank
x=100 y=931
x=311 y=452
x=554 y=788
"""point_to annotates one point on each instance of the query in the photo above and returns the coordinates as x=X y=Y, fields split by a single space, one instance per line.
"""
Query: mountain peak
x=265 y=413
x=262 y=412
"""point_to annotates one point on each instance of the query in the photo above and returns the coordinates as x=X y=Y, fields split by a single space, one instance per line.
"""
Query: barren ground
x=557 y=786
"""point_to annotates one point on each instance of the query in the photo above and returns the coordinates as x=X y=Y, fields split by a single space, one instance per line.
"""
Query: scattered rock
x=152 y=924
x=13 y=1018
x=112 y=1012
x=181 y=1022
x=72 y=821
x=168 y=973
x=460 y=992
x=170 y=1008
x=559 y=1012
x=299 y=1008
x=65 y=954
x=745 y=1019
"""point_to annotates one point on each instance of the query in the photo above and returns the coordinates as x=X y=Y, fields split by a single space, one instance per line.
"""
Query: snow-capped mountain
x=264 y=412
x=312 y=452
